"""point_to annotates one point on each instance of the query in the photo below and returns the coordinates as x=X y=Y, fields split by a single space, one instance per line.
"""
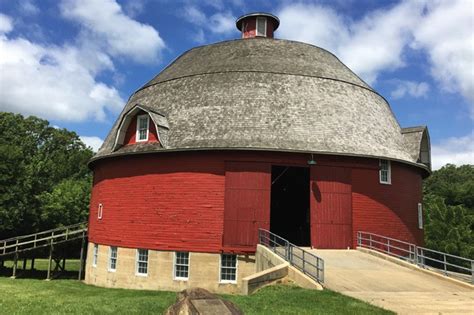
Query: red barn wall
x=175 y=201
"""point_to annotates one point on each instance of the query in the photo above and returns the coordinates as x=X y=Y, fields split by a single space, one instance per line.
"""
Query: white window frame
x=137 y=134
x=236 y=269
x=389 y=172
x=95 y=255
x=100 y=210
x=137 y=261
x=111 y=258
x=264 y=23
x=420 y=216
x=176 y=264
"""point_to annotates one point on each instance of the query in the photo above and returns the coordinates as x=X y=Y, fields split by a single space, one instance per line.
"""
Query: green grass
x=31 y=296
x=280 y=299
x=42 y=264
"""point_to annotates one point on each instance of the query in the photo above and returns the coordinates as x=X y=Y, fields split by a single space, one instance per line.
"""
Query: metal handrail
x=418 y=255
x=305 y=261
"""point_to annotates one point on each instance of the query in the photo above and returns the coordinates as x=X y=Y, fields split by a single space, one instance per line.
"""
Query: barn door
x=247 y=202
x=331 y=207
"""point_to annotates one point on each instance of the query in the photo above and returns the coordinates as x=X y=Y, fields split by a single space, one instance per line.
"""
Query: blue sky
x=76 y=62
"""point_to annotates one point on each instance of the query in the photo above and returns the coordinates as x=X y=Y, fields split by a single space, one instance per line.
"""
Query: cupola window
x=261 y=26
x=142 y=128
x=385 y=172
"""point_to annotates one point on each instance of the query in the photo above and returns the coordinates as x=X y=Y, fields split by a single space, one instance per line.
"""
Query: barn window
x=261 y=26
x=99 y=211
x=142 y=262
x=181 y=265
x=228 y=268
x=142 y=128
x=385 y=172
x=420 y=216
x=112 y=258
x=95 y=255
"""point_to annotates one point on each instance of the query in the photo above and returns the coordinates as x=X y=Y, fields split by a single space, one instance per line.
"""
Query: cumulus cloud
x=446 y=34
x=455 y=150
x=6 y=23
x=93 y=142
x=410 y=88
x=28 y=7
x=105 y=22
x=52 y=82
x=221 y=23
x=378 y=41
x=367 y=46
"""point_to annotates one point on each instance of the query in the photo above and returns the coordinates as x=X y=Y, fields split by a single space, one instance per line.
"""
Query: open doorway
x=290 y=209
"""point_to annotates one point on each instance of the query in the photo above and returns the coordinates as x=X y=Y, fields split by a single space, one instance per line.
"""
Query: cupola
x=257 y=24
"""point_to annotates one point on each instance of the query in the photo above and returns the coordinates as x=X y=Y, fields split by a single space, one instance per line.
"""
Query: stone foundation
x=204 y=271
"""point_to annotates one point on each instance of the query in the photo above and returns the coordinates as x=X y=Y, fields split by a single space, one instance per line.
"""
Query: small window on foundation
x=113 y=258
x=181 y=265
x=142 y=262
x=385 y=172
x=142 y=128
x=228 y=272
x=95 y=255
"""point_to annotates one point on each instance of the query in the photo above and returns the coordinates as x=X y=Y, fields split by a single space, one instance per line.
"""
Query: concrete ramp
x=393 y=286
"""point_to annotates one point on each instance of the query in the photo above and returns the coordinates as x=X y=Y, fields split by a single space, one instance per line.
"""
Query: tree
x=449 y=204
x=34 y=159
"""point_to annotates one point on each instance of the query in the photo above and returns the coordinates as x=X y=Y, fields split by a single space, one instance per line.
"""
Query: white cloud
x=453 y=150
x=54 y=82
x=367 y=46
x=221 y=23
x=410 y=88
x=446 y=34
x=6 y=23
x=28 y=7
x=104 y=22
x=93 y=142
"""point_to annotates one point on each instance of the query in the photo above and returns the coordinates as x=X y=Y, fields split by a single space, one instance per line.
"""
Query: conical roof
x=266 y=94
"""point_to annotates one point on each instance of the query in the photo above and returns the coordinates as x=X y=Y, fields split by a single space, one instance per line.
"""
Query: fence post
x=388 y=246
x=48 y=276
x=472 y=272
x=359 y=242
x=370 y=241
x=81 y=259
x=445 y=266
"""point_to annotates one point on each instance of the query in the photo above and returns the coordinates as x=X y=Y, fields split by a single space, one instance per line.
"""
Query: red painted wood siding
x=175 y=201
x=331 y=204
x=130 y=135
x=247 y=202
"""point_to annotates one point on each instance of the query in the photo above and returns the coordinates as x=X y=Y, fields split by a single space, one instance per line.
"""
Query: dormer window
x=261 y=26
x=142 y=128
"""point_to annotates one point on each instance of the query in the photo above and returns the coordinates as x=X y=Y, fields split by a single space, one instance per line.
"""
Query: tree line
x=45 y=183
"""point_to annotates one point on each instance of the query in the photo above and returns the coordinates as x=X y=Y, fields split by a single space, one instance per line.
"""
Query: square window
x=385 y=172
x=142 y=262
x=228 y=272
x=181 y=265
x=112 y=258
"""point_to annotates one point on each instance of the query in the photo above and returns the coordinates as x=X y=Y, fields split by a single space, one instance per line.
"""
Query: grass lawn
x=33 y=296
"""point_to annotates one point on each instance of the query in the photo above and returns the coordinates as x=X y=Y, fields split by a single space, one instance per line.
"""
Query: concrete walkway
x=391 y=286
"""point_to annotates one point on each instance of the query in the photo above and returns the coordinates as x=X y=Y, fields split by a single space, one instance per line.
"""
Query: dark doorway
x=290 y=214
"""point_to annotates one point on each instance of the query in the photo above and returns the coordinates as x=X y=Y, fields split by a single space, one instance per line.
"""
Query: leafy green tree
x=448 y=228
x=34 y=159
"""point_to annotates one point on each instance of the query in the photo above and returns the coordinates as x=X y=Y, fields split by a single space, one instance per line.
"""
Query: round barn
x=245 y=134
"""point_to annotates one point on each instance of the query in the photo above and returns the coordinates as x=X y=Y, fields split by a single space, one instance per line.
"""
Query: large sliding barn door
x=331 y=207
x=247 y=202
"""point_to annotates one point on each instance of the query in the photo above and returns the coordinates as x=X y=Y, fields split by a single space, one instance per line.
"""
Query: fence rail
x=447 y=264
x=29 y=242
x=308 y=263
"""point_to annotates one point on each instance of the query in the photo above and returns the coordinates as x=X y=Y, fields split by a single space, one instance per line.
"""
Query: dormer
x=142 y=125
